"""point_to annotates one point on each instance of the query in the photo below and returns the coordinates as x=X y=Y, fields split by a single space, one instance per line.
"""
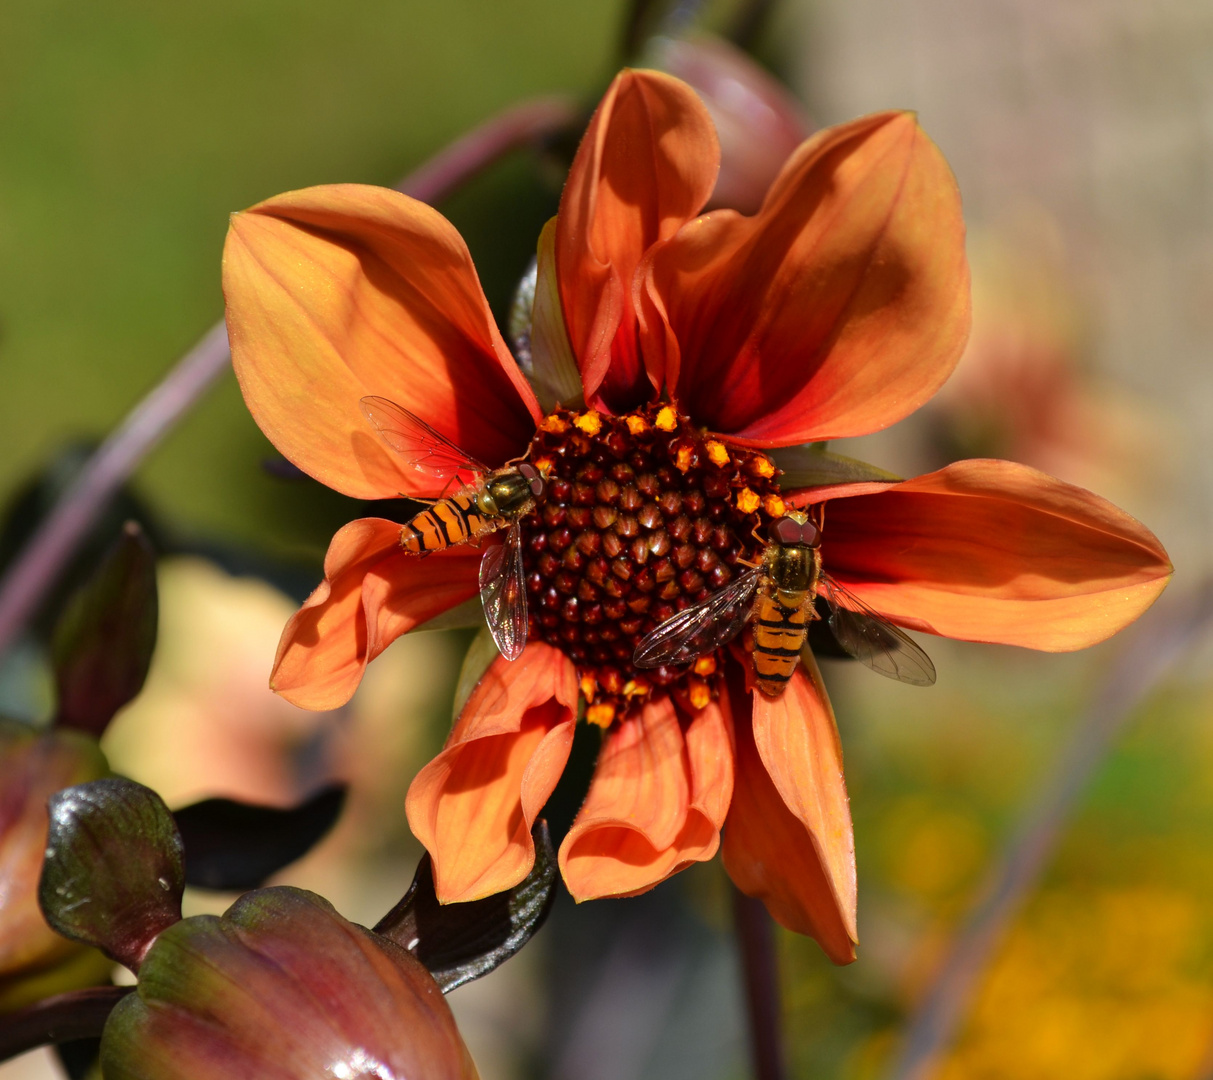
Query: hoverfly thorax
x=510 y=493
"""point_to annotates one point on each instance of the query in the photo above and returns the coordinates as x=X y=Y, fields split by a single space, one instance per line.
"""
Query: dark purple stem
x=760 y=974
x=1159 y=641
x=526 y=124
x=78 y=1014
x=55 y=540
x=60 y=533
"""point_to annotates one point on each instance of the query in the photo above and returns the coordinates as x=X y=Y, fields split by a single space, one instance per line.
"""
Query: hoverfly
x=495 y=499
x=786 y=584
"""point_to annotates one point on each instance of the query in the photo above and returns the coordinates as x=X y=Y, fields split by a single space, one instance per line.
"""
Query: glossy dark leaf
x=234 y=846
x=79 y=1014
x=104 y=640
x=461 y=942
x=114 y=869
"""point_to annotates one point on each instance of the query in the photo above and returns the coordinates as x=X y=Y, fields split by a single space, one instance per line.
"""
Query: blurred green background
x=1080 y=134
x=129 y=132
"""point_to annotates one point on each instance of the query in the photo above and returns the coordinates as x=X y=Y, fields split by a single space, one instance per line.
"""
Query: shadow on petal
x=839 y=308
x=656 y=803
x=371 y=594
x=334 y=293
x=646 y=165
x=788 y=838
x=473 y=806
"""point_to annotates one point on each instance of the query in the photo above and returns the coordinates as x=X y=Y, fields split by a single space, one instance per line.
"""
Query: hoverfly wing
x=425 y=449
x=503 y=594
x=702 y=627
x=873 y=640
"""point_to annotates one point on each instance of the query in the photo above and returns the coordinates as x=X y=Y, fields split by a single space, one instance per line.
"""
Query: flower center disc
x=642 y=516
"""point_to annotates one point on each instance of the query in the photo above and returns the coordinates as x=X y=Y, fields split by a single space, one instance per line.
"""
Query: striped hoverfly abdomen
x=790 y=574
x=777 y=599
x=491 y=500
x=463 y=518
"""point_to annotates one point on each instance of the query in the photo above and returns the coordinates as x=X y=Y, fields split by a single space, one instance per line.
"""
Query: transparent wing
x=873 y=640
x=702 y=627
x=425 y=449
x=503 y=594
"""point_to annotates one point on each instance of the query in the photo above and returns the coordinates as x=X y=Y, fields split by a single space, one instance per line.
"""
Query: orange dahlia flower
x=671 y=350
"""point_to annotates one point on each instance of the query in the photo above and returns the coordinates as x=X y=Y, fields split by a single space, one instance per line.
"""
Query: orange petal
x=371 y=594
x=757 y=120
x=646 y=165
x=337 y=292
x=995 y=551
x=655 y=805
x=473 y=805
x=788 y=838
x=839 y=308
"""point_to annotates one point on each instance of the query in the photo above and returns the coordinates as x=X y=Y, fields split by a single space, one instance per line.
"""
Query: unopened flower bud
x=282 y=985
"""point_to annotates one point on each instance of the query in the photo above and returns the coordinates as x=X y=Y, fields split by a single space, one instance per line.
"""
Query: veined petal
x=473 y=805
x=646 y=165
x=994 y=551
x=371 y=594
x=788 y=838
x=838 y=309
x=757 y=120
x=656 y=803
x=339 y=292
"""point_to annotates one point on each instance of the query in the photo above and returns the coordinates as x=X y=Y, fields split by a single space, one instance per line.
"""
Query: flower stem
x=529 y=122
x=60 y=533
x=1159 y=641
x=760 y=973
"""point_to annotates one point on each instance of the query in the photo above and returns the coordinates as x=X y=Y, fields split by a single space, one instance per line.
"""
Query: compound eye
x=787 y=531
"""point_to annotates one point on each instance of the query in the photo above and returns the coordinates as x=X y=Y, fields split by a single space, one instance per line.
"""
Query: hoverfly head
x=796 y=528
x=534 y=478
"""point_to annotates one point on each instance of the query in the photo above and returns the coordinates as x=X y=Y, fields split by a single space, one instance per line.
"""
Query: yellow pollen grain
x=775 y=506
x=667 y=419
x=634 y=688
x=636 y=424
x=762 y=466
x=601 y=714
x=705 y=665
x=589 y=686
x=700 y=695
x=747 y=501
x=683 y=457
x=557 y=425
x=718 y=453
x=590 y=423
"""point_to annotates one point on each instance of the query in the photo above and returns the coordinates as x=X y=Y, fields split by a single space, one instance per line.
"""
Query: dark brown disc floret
x=642 y=515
